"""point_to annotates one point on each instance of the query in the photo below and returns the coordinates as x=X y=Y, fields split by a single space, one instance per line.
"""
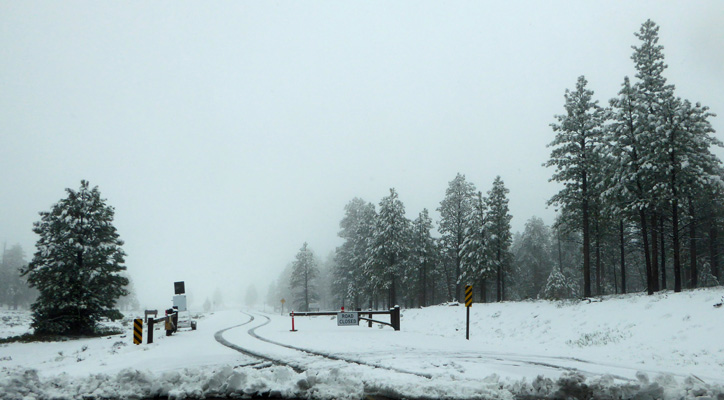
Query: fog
x=228 y=134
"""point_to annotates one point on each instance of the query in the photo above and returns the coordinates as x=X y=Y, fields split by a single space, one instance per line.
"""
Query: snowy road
x=664 y=346
x=319 y=344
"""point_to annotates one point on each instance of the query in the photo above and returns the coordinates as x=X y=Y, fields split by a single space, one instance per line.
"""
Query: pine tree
x=476 y=260
x=77 y=266
x=357 y=227
x=557 y=286
x=691 y=168
x=628 y=186
x=453 y=211
x=14 y=289
x=129 y=302
x=677 y=137
x=423 y=256
x=302 y=282
x=390 y=247
x=500 y=236
x=574 y=154
x=533 y=257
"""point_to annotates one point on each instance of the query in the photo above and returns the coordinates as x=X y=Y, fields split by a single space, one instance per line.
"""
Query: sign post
x=468 y=303
x=137 y=331
x=283 y=301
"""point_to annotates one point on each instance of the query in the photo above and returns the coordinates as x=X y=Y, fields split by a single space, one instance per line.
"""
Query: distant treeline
x=641 y=208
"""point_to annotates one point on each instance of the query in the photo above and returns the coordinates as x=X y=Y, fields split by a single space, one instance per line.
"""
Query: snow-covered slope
x=667 y=345
x=681 y=333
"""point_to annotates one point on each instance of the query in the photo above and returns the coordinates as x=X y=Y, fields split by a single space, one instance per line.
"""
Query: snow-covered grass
x=671 y=332
x=664 y=346
x=14 y=323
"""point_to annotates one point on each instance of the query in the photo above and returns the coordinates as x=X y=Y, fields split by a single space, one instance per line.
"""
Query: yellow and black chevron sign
x=137 y=331
x=468 y=295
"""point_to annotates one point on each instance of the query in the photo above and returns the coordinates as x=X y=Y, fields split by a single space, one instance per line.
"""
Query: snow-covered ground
x=663 y=346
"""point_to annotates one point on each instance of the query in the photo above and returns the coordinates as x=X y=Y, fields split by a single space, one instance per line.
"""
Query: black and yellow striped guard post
x=137 y=331
x=468 y=295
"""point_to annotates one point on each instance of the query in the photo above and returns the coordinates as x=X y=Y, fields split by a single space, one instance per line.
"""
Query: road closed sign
x=347 y=318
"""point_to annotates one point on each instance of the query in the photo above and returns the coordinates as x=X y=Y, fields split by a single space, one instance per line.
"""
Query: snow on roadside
x=14 y=323
x=283 y=382
x=662 y=346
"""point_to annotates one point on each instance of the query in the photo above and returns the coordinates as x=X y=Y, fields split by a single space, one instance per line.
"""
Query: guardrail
x=394 y=314
x=171 y=321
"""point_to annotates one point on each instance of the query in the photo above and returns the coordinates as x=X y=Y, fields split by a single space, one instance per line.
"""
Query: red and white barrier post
x=293 y=330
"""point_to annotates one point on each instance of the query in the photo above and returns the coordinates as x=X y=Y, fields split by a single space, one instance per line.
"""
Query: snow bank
x=283 y=382
x=666 y=346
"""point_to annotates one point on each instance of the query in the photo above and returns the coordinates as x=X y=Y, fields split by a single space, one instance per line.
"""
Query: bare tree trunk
x=433 y=292
x=393 y=294
x=586 y=240
x=423 y=299
x=499 y=280
x=654 y=253
x=483 y=291
x=448 y=282
x=502 y=285
x=613 y=274
x=675 y=244
x=713 y=246
x=623 y=258
x=663 y=253
x=694 y=282
x=560 y=253
x=458 y=261
x=598 y=258
x=647 y=256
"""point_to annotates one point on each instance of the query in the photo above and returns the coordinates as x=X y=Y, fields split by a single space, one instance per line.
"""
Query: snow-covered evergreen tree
x=690 y=169
x=423 y=259
x=14 y=289
x=533 y=258
x=129 y=302
x=454 y=208
x=557 y=286
x=303 y=279
x=78 y=265
x=349 y=283
x=390 y=247
x=500 y=237
x=476 y=259
x=574 y=156
x=664 y=142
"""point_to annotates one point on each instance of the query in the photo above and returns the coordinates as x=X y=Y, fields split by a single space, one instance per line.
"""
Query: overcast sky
x=226 y=134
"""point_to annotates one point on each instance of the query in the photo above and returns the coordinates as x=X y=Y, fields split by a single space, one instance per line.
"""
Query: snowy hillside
x=679 y=333
x=662 y=346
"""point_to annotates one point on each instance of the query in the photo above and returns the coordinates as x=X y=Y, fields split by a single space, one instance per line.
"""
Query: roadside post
x=468 y=303
x=283 y=301
x=293 y=330
x=137 y=331
x=149 y=338
x=148 y=313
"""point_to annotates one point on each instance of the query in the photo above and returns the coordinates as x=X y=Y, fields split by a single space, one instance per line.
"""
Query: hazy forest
x=640 y=209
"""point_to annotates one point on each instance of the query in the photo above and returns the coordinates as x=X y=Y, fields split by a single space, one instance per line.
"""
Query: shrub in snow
x=706 y=279
x=557 y=286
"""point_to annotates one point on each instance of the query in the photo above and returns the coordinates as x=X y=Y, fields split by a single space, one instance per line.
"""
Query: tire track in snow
x=219 y=336
x=490 y=357
x=252 y=332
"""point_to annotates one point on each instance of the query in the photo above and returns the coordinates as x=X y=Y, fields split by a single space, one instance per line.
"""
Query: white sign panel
x=180 y=302
x=347 y=319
